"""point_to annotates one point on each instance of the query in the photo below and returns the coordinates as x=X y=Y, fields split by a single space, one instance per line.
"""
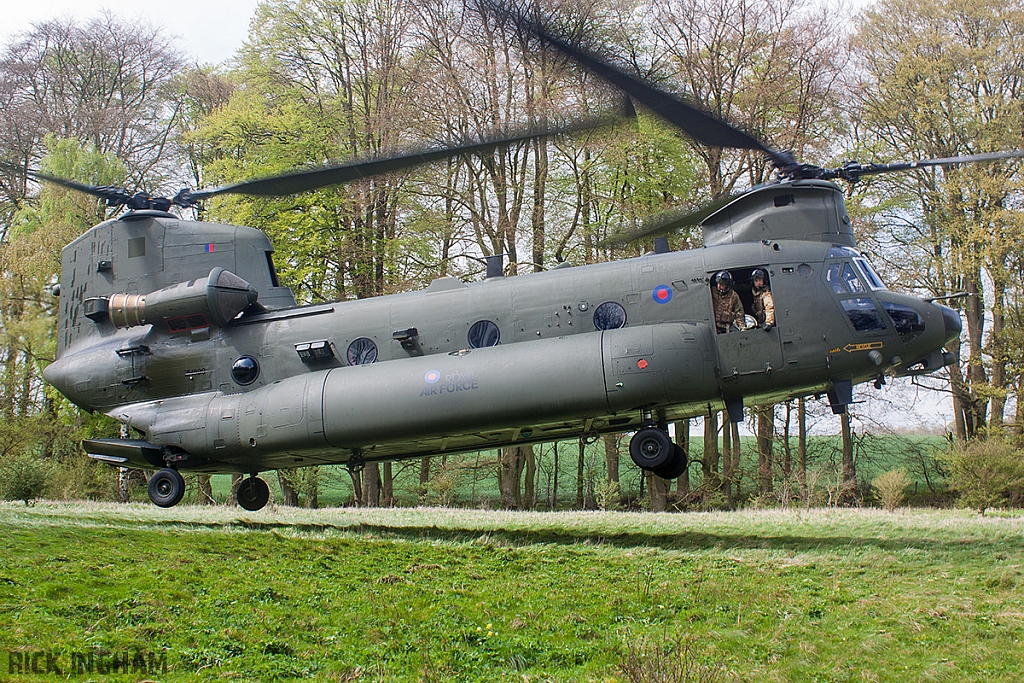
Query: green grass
x=464 y=595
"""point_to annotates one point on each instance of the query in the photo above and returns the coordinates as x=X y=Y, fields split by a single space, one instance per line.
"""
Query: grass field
x=216 y=594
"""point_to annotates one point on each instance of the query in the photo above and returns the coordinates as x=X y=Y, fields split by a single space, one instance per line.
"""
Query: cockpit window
x=906 y=320
x=832 y=275
x=863 y=314
x=843 y=279
x=853 y=282
x=874 y=282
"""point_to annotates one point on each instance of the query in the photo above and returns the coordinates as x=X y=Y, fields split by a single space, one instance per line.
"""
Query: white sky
x=207 y=32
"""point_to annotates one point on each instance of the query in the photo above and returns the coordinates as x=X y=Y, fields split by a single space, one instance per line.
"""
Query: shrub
x=675 y=659
x=987 y=473
x=23 y=476
x=891 y=488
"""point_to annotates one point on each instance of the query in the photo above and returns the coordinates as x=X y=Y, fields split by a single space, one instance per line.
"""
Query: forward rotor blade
x=313 y=179
x=699 y=124
x=853 y=170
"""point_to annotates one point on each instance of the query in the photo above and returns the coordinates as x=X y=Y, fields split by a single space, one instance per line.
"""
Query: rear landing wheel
x=675 y=466
x=253 y=494
x=166 y=487
x=650 y=448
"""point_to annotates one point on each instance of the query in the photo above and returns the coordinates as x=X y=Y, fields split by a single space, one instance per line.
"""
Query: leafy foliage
x=891 y=488
x=988 y=473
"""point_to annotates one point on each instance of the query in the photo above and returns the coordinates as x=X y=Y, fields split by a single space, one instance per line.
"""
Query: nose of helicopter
x=951 y=319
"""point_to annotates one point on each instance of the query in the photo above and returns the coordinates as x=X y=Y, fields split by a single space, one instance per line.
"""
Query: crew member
x=727 y=304
x=763 y=307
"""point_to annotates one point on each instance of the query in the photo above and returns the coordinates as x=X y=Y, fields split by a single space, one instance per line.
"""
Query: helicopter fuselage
x=574 y=351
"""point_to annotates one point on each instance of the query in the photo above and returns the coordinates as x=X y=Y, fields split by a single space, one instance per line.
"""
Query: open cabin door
x=750 y=352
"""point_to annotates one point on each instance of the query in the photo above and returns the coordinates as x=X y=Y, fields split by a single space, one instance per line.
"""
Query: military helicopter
x=181 y=331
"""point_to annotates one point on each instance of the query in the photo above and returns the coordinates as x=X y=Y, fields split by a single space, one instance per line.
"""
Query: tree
x=940 y=79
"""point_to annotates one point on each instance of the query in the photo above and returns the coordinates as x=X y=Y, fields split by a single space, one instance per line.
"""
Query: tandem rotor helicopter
x=181 y=331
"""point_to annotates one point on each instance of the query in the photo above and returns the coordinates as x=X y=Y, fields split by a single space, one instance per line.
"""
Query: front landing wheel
x=166 y=487
x=253 y=494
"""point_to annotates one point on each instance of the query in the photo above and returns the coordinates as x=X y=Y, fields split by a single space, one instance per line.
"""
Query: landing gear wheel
x=166 y=487
x=253 y=494
x=650 y=448
x=674 y=467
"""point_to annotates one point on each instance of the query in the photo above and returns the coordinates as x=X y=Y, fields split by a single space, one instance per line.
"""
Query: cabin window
x=362 y=351
x=863 y=314
x=245 y=370
x=609 y=316
x=483 y=333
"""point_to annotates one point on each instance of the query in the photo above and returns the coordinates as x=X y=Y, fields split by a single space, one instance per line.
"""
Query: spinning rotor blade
x=296 y=182
x=699 y=124
x=853 y=170
x=313 y=179
x=668 y=222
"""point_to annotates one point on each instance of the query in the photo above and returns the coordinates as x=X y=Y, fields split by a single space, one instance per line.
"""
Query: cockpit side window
x=863 y=314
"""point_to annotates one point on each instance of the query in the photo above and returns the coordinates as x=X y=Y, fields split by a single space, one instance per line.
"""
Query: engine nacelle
x=213 y=300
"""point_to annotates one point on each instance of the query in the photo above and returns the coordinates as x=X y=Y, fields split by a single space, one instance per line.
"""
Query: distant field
x=216 y=594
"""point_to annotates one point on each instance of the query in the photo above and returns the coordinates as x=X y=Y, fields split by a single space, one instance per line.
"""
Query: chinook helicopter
x=181 y=331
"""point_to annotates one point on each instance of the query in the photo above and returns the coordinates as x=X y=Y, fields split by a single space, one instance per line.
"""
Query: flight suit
x=728 y=309
x=763 y=307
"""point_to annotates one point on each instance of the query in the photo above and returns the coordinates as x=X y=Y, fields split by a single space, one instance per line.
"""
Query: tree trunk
x=553 y=502
x=728 y=468
x=611 y=461
x=311 y=487
x=357 y=486
x=683 y=439
x=801 y=447
x=709 y=465
x=289 y=496
x=529 y=501
x=765 y=466
x=388 y=485
x=371 y=485
x=204 y=496
x=657 y=488
x=580 y=462
x=848 y=494
x=424 y=478
x=510 y=470
x=236 y=481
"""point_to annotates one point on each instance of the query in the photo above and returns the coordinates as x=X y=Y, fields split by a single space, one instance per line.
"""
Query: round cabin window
x=483 y=333
x=361 y=352
x=609 y=316
x=245 y=370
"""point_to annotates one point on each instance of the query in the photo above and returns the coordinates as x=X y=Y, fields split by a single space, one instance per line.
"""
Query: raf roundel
x=432 y=376
x=662 y=294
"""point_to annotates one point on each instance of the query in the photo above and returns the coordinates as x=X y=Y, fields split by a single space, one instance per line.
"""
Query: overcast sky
x=209 y=31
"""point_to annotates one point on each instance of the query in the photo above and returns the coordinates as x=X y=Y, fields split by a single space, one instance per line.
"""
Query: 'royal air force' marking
x=442 y=385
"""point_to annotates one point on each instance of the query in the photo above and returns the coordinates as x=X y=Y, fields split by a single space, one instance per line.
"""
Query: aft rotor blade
x=669 y=222
x=313 y=179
